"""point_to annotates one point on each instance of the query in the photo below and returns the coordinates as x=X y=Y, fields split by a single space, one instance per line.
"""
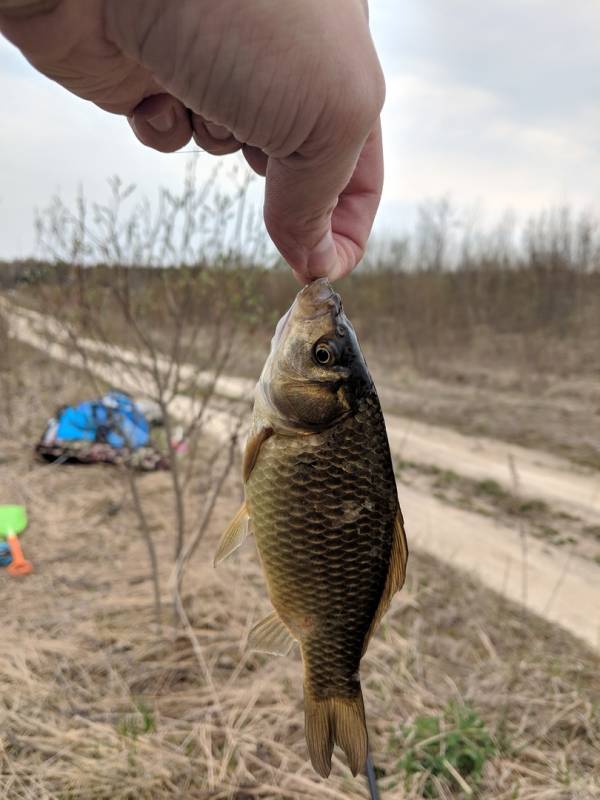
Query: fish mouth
x=317 y=299
x=312 y=302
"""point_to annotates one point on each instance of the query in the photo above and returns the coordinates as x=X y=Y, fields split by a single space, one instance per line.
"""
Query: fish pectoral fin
x=271 y=635
x=252 y=450
x=234 y=536
x=395 y=577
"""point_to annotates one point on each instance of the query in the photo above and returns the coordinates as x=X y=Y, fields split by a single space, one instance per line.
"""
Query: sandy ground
x=554 y=412
x=529 y=472
x=559 y=586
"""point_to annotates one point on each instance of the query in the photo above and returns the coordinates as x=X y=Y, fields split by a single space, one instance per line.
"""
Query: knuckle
x=360 y=104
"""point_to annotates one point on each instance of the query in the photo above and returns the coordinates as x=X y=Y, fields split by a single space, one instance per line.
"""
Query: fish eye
x=323 y=354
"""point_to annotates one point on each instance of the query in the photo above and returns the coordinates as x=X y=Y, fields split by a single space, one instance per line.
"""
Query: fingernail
x=323 y=260
x=163 y=123
x=217 y=131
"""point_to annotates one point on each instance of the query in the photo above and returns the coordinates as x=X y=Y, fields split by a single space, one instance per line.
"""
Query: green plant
x=532 y=507
x=490 y=487
x=137 y=724
x=592 y=530
x=452 y=747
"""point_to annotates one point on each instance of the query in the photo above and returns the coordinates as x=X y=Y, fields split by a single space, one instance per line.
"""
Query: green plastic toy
x=13 y=521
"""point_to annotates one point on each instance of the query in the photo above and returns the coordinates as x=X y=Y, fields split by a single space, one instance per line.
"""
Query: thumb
x=301 y=194
x=320 y=213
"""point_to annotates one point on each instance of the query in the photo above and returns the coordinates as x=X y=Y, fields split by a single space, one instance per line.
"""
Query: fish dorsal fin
x=234 y=536
x=395 y=577
x=270 y=635
x=252 y=450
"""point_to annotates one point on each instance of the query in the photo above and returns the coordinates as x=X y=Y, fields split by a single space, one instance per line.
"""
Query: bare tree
x=151 y=300
x=437 y=222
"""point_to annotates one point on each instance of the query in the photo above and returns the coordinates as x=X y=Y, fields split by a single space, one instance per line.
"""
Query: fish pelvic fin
x=336 y=720
x=234 y=536
x=270 y=635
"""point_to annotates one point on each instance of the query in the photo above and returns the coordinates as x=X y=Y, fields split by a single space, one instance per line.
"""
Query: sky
x=494 y=104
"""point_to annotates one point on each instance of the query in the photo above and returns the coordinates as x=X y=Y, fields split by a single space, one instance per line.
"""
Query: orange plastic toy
x=13 y=521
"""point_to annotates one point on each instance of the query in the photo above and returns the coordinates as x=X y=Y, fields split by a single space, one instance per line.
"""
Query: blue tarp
x=114 y=419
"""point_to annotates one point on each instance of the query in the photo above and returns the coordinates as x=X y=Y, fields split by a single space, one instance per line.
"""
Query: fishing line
x=371 y=778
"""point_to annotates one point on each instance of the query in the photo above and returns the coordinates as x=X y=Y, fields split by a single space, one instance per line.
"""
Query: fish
x=321 y=501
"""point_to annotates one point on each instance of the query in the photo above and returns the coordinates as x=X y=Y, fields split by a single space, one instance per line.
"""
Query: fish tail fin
x=336 y=720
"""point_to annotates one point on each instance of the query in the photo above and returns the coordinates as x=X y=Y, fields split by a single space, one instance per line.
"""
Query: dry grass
x=96 y=707
x=95 y=704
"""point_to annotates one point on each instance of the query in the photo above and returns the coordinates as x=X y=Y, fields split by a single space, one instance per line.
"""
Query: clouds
x=539 y=56
x=496 y=102
x=443 y=136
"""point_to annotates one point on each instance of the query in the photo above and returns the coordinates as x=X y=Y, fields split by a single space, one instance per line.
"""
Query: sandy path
x=563 y=589
x=539 y=475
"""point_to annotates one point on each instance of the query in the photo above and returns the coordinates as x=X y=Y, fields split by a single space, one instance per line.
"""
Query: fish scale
x=319 y=569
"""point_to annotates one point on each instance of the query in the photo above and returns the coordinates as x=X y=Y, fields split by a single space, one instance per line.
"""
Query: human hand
x=295 y=84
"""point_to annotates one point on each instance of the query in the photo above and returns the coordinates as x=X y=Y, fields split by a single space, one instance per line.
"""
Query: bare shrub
x=150 y=301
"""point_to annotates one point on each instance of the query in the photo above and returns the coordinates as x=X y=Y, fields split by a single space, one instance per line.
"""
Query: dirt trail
x=560 y=588
x=536 y=474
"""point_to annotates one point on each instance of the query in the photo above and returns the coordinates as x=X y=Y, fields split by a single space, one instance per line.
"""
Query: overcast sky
x=495 y=103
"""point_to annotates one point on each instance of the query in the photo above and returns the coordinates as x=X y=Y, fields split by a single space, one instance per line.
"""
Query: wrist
x=26 y=8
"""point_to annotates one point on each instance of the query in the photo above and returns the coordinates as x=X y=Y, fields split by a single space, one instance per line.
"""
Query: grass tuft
x=450 y=749
x=141 y=722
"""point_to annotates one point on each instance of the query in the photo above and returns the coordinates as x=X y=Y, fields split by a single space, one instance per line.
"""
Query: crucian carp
x=321 y=501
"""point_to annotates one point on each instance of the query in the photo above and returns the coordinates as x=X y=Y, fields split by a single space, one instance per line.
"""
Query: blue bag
x=114 y=419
